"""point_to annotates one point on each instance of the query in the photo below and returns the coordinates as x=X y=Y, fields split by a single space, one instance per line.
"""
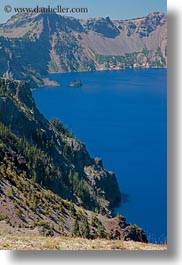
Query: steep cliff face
x=28 y=208
x=48 y=182
x=49 y=185
x=32 y=45
x=63 y=164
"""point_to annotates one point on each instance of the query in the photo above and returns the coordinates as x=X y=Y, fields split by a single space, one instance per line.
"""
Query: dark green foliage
x=40 y=167
x=42 y=223
x=145 y=51
x=72 y=210
x=128 y=60
x=162 y=60
x=66 y=150
x=58 y=125
x=85 y=229
x=43 y=142
x=94 y=221
x=97 y=224
x=101 y=231
x=3 y=90
x=80 y=188
x=76 y=228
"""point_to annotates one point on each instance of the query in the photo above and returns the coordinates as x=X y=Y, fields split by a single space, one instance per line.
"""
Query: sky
x=115 y=9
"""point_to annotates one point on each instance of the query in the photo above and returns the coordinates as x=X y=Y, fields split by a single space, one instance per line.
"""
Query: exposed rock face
x=29 y=208
x=134 y=233
x=76 y=176
x=102 y=26
x=41 y=165
x=121 y=230
x=32 y=45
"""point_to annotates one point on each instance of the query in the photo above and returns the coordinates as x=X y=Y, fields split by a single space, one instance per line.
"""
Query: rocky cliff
x=49 y=184
x=57 y=159
x=33 y=45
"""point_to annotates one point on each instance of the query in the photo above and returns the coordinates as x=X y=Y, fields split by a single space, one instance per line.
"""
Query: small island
x=76 y=83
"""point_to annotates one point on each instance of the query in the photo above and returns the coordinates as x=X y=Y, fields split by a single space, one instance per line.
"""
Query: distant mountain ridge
x=33 y=45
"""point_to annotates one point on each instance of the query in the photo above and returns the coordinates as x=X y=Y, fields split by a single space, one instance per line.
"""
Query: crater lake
x=121 y=116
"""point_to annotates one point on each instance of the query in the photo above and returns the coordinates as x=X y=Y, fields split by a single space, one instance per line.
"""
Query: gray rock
x=98 y=161
x=50 y=232
x=132 y=232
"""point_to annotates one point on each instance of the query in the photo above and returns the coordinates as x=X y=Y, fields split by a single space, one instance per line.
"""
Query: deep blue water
x=121 y=116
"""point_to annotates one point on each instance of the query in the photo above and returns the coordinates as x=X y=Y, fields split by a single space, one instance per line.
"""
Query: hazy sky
x=115 y=9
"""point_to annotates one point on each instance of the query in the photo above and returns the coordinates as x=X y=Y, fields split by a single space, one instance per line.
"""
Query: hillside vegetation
x=49 y=185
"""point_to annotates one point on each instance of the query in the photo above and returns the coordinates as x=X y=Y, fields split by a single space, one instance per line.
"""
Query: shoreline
x=53 y=83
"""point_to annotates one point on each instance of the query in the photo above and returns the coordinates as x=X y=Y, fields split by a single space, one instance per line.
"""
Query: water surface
x=121 y=117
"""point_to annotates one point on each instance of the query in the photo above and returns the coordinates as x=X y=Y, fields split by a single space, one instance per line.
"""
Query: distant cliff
x=33 y=45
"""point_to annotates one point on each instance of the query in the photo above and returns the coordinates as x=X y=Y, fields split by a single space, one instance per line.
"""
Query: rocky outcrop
x=33 y=45
x=102 y=26
x=132 y=232
x=121 y=230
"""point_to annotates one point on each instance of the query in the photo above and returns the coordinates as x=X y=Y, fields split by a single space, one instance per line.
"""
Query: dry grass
x=12 y=242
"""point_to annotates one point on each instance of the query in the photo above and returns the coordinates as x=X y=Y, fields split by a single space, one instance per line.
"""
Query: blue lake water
x=121 y=116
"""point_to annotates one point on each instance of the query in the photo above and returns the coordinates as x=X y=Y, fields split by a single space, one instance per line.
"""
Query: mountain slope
x=54 y=157
x=28 y=208
x=49 y=185
x=33 y=45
